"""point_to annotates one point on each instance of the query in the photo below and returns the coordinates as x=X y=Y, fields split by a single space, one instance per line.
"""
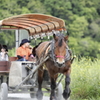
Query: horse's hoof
x=39 y=95
x=68 y=98
x=66 y=94
x=53 y=98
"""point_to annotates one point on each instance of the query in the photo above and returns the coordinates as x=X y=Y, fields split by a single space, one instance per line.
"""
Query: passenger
x=23 y=52
x=4 y=53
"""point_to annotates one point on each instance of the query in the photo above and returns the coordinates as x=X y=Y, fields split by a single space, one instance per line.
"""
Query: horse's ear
x=55 y=37
x=66 y=38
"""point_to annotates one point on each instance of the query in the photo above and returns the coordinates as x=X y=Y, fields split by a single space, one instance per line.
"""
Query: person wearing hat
x=23 y=52
x=4 y=53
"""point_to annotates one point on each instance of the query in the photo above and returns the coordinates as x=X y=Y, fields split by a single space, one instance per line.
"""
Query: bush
x=11 y=52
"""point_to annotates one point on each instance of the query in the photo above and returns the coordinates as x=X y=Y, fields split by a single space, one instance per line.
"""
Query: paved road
x=23 y=97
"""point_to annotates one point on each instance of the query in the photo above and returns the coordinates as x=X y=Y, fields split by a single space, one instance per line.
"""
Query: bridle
x=52 y=55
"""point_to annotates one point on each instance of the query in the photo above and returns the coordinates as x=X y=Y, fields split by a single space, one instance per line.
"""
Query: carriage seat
x=13 y=58
x=4 y=67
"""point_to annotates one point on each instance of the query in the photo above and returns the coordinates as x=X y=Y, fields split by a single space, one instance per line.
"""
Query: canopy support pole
x=17 y=38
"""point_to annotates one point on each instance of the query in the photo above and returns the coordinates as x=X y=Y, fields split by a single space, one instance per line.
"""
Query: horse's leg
x=53 y=87
x=39 y=93
x=67 y=90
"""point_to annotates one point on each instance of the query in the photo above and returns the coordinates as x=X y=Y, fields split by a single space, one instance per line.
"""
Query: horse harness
x=51 y=54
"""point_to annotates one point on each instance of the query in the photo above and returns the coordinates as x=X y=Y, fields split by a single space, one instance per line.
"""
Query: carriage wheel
x=33 y=95
x=4 y=91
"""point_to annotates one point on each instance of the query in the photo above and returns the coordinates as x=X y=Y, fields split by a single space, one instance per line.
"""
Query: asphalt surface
x=22 y=96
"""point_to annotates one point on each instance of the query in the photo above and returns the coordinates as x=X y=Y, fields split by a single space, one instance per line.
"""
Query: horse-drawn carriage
x=28 y=75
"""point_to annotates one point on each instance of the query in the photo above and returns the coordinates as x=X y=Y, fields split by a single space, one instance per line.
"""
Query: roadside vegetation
x=85 y=79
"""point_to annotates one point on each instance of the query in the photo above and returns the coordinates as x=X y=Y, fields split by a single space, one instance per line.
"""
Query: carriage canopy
x=33 y=23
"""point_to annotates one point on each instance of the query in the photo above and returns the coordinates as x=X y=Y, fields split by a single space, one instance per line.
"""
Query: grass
x=85 y=80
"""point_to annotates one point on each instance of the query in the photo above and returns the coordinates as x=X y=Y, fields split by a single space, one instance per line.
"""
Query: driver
x=23 y=52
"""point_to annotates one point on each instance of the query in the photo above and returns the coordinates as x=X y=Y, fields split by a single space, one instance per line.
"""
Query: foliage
x=10 y=8
x=85 y=47
x=7 y=37
x=78 y=27
x=11 y=52
x=82 y=19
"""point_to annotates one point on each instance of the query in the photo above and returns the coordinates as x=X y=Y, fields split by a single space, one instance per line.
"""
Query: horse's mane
x=60 y=41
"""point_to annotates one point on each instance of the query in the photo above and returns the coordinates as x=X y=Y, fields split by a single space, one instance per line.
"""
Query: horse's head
x=60 y=48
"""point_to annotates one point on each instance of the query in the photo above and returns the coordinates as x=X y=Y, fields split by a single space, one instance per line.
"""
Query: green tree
x=82 y=19
x=78 y=27
x=36 y=7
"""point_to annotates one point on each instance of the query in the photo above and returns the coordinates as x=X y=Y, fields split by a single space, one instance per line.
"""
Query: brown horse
x=59 y=61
